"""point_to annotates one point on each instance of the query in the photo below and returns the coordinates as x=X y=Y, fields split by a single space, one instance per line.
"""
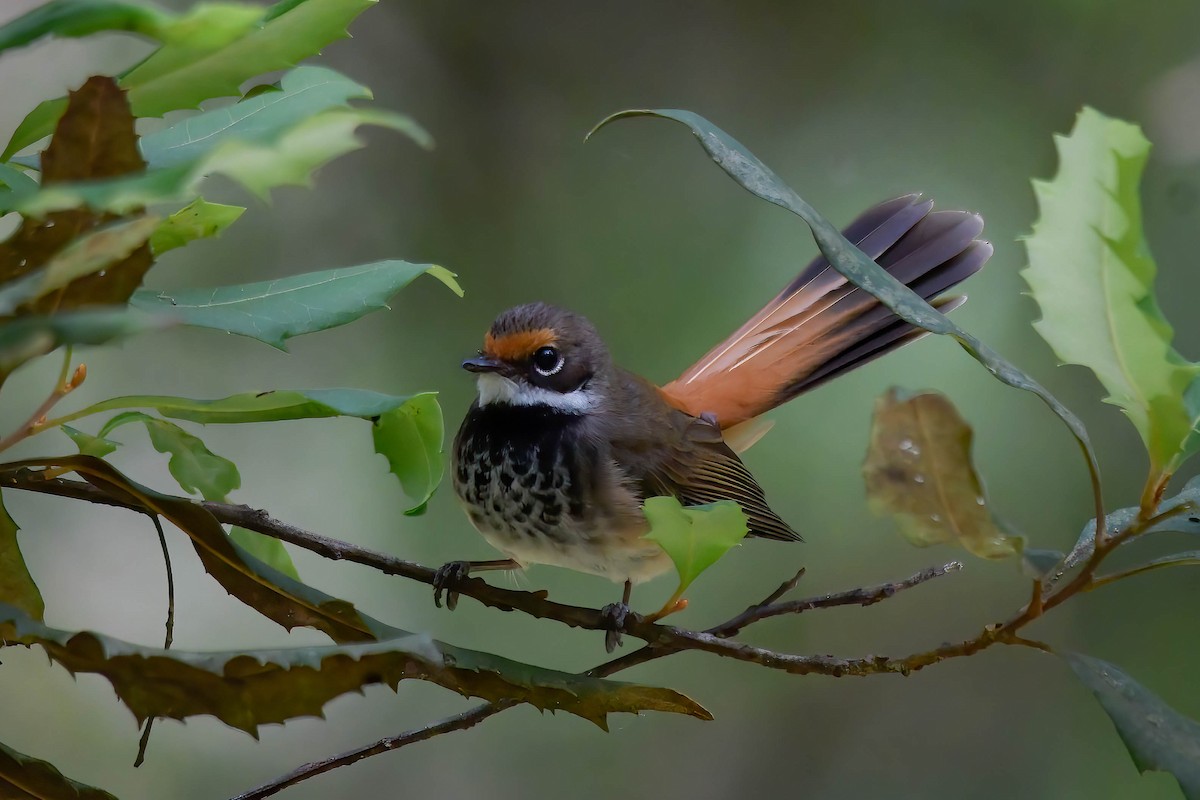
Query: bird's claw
x=615 y=617
x=446 y=578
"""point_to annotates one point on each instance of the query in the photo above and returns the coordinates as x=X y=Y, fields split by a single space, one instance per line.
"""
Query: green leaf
x=755 y=177
x=23 y=776
x=195 y=468
x=288 y=160
x=1038 y=563
x=274 y=311
x=694 y=537
x=1092 y=274
x=30 y=337
x=303 y=92
x=77 y=18
x=16 y=584
x=198 y=470
x=210 y=52
x=246 y=689
x=410 y=438
x=271 y=552
x=90 y=445
x=199 y=219
x=919 y=471
x=1157 y=736
x=268 y=591
x=1179 y=514
x=89 y=254
x=15 y=179
x=257 y=406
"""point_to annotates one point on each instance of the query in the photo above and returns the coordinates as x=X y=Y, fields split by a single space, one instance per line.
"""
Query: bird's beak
x=482 y=364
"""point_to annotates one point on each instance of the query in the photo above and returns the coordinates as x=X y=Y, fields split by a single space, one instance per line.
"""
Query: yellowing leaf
x=23 y=776
x=695 y=537
x=1092 y=274
x=919 y=471
x=16 y=584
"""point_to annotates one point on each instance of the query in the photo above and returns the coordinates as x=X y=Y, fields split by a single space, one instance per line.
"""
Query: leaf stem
x=37 y=420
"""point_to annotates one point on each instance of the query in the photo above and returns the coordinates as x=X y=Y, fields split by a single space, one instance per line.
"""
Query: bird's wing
x=664 y=451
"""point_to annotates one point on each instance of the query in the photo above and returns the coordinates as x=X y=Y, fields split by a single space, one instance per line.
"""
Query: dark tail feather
x=821 y=325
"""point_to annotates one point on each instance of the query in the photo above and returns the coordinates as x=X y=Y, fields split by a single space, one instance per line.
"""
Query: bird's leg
x=449 y=574
x=615 y=615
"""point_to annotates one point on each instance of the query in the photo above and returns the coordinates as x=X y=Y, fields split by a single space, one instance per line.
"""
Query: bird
x=561 y=446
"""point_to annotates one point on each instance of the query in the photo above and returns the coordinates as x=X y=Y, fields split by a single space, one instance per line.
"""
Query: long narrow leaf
x=753 y=175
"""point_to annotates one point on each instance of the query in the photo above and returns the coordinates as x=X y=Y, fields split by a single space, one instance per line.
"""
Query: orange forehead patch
x=517 y=346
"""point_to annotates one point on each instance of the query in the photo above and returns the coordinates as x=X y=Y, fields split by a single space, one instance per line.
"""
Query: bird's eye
x=547 y=361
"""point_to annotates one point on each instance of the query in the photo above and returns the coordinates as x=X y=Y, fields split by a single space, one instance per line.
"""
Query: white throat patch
x=498 y=389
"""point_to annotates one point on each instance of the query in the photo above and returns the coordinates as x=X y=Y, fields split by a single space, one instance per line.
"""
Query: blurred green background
x=852 y=103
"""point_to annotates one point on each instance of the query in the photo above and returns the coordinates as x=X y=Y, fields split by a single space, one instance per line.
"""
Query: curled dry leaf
x=919 y=471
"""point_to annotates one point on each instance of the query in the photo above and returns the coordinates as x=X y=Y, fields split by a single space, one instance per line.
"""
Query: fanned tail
x=821 y=325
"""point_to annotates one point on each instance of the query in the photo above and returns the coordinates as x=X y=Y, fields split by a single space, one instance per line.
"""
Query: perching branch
x=536 y=604
x=661 y=640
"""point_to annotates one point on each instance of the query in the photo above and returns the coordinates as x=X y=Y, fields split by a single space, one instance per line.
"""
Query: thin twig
x=37 y=420
x=458 y=722
x=865 y=596
x=169 y=636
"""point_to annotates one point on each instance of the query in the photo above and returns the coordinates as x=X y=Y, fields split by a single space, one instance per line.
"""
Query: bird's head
x=540 y=355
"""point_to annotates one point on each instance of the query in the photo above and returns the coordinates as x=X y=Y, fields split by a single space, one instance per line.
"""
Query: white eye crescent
x=548 y=361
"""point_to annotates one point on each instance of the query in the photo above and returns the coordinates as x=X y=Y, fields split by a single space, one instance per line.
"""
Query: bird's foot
x=446 y=579
x=615 y=617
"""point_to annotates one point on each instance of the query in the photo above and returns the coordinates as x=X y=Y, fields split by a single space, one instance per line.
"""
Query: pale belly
x=529 y=506
x=617 y=555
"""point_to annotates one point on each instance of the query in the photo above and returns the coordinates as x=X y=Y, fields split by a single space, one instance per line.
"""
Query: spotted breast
x=541 y=489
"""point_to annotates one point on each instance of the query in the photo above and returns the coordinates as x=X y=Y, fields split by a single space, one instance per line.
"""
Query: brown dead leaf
x=919 y=471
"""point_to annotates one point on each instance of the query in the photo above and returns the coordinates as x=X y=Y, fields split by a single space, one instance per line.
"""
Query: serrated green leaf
x=89 y=254
x=1092 y=274
x=268 y=591
x=28 y=778
x=199 y=219
x=271 y=552
x=289 y=160
x=753 y=175
x=29 y=337
x=211 y=52
x=17 y=587
x=274 y=311
x=257 y=406
x=1157 y=736
x=195 y=468
x=410 y=438
x=695 y=537
x=90 y=445
x=303 y=92
x=77 y=18
x=919 y=471
x=246 y=689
